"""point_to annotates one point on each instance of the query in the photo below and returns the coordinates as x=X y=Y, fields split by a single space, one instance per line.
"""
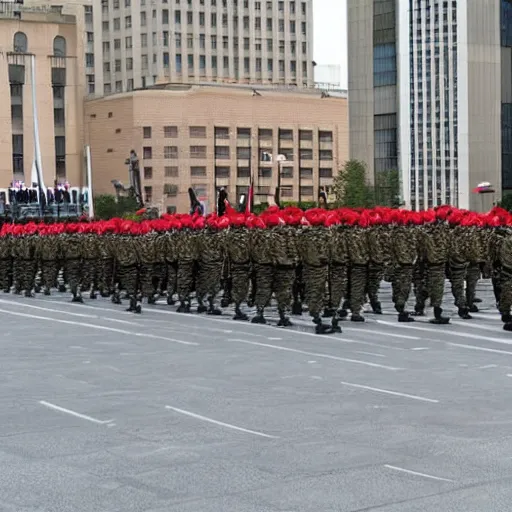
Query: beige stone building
x=52 y=38
x=210 y=137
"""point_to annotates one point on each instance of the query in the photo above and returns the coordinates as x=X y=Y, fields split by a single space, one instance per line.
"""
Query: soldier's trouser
x=506 y=290
x=458 y=279
x=106 y=275
x=89 y=274
x=298 y=284
x=401 y=285
x=240 y=275
x=5 y=273
x=496 y=283
x=473 y=273
x=315 y=278
x=27 y=273
x=419 y=279
x=435 y=284
x=208 y=280
x=284 y=276
x=375 y=276
x=159 y=276
x=172 y=277
x=50 y=271
x=338 y=281
x=128 y=279
x=147 y=280
x=264 y=277
x=73 y=273
x=185 y=279
x=358 y=280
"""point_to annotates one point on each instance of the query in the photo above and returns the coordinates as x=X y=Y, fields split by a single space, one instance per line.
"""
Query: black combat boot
x=342 y=314
x=507 y=327
x=201 y=308
x=184 y=307
x=212 y=310
x=335 y=324
x=474 y=309
x=329 y=313
x=297 y=308
x=477 y=300
x=239 y=315
x=170 y=300
x=464 y=314
x=47 y=292
x=376 y=307
x=404 y=317
x=284 y=321
x=320 y=327
x=259 y=318
x=418 y=311
x=506 y=318
x=356 y=317
x=439 y=319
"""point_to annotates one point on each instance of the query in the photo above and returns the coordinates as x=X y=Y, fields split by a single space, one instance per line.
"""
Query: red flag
x=229 y=209
x=250 y=196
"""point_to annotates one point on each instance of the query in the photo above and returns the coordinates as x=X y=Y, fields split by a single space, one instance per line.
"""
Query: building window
x=147 y=132
x=222 y=133
x=243 y=133
x=148 y=173
x=384 y=65
x=286 y=191
x=325 y=154
x=243 y=153
x=170 y=152
x=243 y=172
x=222 y=152
x=265 y=172
x=170 y=190
x=286 y=172
x=197 y=132
x=222 y=172
x=325 y=172
x=171 y=171
x=171 y=209
x=198 y=170
x=306 y=191
x=386 y=147
x=265 y=134
x=286 y=135
x=324 y=136
x=59 y=46
x=20 y=42
x=306 y=154
x=148 y=194
x=89 y=60
x=306 y=135
x=170 y=132
x=306 y=172
x=198 y=152
x=147 y=153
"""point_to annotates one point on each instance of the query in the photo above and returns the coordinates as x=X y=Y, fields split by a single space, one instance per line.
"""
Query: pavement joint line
x=416 y=473
x=219 y=423
x=74 y=413
x=316 y=354
x=388 y=392
x=369 y=353
x=98 y=327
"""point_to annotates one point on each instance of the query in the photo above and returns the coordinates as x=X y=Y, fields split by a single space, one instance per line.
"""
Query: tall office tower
x=137 y=43
x=426 y=81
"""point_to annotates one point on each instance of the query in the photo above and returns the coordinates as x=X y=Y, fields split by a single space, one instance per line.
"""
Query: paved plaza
x=106 y=411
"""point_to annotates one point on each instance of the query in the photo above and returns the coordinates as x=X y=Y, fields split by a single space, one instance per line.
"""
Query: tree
x=106 y=207
x=506 y=202
x=387 y=188
x=351 y=186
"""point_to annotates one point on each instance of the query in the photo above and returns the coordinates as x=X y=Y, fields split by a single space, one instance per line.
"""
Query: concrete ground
x=106 y=411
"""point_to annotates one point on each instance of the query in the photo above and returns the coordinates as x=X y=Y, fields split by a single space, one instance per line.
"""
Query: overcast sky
x=330 y=29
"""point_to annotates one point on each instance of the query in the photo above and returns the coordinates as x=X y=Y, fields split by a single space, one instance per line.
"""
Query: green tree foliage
x=506 y=202
x=351 y=186
x=106 y=207
x=387 y=188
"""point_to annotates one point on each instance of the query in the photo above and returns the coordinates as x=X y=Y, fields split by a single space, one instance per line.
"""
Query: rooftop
x=40 y=13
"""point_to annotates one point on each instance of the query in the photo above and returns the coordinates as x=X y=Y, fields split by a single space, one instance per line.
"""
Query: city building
x=52 y=41
x=427 y=80
x=136 y=43
x=210 y=137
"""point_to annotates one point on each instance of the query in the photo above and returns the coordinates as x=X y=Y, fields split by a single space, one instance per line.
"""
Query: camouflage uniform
x=187 y=257
x=49 y=255
x=419 y=279
x=25 y=263
x=505 y=259
x=338 y=270
x=166 y=249
x=90 y=255
x=238 y=245
x=458 y=261
x=404 y=246
x=435 y=240
x=211 y=245
x=314 y=248
x=5 y=263
x=71 y=250
x=105 y=265
x=378 y=241
x=149 y=269
x=478 y=256
x=261 y=246
x=127 y=250
x=359 y=254
x=496 y=238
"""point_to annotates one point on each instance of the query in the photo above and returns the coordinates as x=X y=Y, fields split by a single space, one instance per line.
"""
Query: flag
x=250 y=197
x=484 y=188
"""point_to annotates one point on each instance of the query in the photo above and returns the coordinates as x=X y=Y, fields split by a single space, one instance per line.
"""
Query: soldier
x=50 y=254
x=6 y=258
x=478 y=258
x=24 y=255
x=238 y=247
x=149 y=271
x=187 y=257
x=71 y=249
x=90 y=257
x=505 y=259
x=105 y=261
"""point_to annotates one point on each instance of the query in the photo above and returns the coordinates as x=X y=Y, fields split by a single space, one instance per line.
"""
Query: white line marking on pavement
x=488 y=366
x=83 y=315
x=402 y=470
x=369 y=353
x=479 y=349
x=419 y=348
x=311 y=362
x=387 y=392
x=451 y=332
x=73 y=413
x=220 y=423
x=100 y=327
x=274 y=339
x=316 y=354
x=375 y=333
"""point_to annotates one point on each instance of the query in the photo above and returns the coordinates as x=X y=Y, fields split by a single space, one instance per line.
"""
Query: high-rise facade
x=137 y=43
x=427 y=80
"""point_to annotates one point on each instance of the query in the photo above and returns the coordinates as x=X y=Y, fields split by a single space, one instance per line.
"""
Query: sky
x=330 y=29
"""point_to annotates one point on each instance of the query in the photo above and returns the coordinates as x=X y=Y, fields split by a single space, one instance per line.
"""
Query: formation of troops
x=333 y=261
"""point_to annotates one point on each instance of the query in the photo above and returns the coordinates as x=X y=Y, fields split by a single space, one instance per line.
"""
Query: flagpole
x=90 y=202
x=37 y=145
